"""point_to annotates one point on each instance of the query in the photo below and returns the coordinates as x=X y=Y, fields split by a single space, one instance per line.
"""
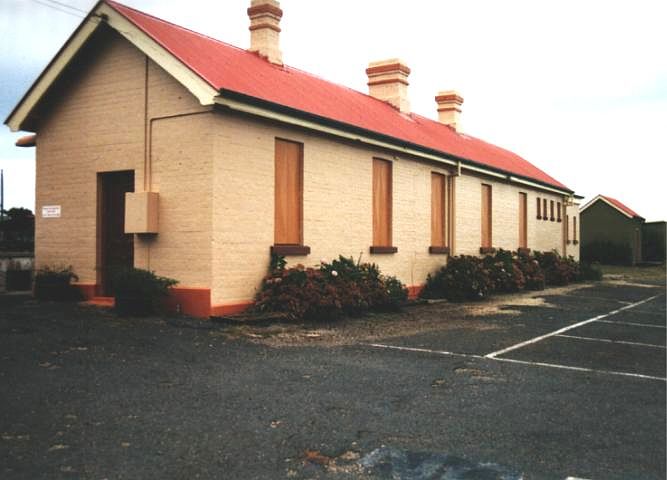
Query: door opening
x=115 y=247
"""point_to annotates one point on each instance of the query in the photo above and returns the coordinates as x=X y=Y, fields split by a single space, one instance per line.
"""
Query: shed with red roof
x=611 y=232
x=169 y=150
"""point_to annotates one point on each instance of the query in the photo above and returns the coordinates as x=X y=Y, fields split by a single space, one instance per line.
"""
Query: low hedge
x=467 y=278
x=140 y=292
x=329 y=290
x=54 y=283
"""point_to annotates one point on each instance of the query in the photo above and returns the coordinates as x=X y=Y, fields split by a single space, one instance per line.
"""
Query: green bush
x=558 y=270
x=54 y=283
x=463 y=278
x=506 y=274
x=606 y=253
x=140 y=292
x=328 y=291
x=531 y=270
x=590 y=272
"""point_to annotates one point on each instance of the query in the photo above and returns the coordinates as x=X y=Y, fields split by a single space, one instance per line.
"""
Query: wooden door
x=116 y=248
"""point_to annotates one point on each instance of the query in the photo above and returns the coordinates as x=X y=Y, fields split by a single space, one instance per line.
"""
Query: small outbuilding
x=611 y=232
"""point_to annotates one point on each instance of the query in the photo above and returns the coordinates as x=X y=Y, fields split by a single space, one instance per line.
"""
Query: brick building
x=168 y=150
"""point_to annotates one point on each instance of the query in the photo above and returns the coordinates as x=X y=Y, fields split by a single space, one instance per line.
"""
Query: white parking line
x=580 y=369
x=565 y=329
x=632 y=324
x=422 y=350
x=608 y=340
x=509 y=360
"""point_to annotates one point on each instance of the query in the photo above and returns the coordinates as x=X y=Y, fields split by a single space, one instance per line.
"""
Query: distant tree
x=17 y=229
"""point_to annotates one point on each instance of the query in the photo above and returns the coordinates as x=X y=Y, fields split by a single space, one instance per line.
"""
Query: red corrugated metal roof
x=224 y=66
x=621 y=206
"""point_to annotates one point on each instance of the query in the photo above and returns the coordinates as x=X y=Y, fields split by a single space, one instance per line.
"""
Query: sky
x=579 y=88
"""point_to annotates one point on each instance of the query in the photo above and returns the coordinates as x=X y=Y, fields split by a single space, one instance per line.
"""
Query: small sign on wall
x=51 y=211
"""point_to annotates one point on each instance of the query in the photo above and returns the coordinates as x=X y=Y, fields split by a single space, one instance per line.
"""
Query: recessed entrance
x=115 y=247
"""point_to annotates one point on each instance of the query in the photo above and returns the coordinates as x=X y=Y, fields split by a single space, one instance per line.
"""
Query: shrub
x=590 y=271
x=607 y=253
x=532 y=272
x=463 y=278
x=328 y=291
x=505 y=272
x=140 y=292
x=54 y=283
x=557 y=270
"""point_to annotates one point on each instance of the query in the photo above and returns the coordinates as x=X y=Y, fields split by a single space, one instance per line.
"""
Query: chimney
x=449 y=108
x=264 y=27
x=388 y=81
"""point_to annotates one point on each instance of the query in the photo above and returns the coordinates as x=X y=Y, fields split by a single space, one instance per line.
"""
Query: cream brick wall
x=542 y=235
x=113 y=101
x=95 y=124
x=337 y=208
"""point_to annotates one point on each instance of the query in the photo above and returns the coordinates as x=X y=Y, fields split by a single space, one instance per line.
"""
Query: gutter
x=273 y=111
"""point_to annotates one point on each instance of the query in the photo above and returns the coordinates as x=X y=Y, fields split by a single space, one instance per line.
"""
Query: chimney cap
x=258 y=7
x=388 y=65
x=449 y=96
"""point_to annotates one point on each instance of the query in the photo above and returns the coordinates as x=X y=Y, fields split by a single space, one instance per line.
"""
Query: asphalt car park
x=578 y=392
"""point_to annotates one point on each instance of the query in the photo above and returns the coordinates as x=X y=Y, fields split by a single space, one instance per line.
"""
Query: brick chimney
x=388 y=81
x=264 y=27
x=449 y=108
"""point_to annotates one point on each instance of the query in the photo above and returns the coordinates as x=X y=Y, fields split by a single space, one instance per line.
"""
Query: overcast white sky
x=577 y=87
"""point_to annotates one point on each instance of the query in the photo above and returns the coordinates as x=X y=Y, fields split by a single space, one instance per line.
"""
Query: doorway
x=115 y=247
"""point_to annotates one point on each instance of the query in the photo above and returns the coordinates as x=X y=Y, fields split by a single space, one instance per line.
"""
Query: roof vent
x=388 y=81
x=449 y=108
x=264 y=27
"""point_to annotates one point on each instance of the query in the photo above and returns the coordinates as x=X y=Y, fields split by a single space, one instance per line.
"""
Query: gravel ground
x=87 y=395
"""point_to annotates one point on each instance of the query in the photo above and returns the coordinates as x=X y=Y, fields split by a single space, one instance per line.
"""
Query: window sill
x=486 y=250
x=384 y=249
x=559 y=220
x=569 y=242
x=576 y=242
x=523 y=250
x=539 y=217
x=552 y=219
x=287 y=250
x=438 y=250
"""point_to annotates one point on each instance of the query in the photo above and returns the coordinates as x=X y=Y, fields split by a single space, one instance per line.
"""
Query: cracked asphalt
x=85 y=394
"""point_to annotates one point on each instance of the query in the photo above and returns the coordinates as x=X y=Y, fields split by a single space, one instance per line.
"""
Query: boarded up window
x=539 y=208
x=439 y=210
x=381 y=203
x=289 y=193
x=523 y=220
x=486 y=216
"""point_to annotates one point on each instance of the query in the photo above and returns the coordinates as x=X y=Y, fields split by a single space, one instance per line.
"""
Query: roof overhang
x=272 y=111
x=615 y=207
x=104 y=13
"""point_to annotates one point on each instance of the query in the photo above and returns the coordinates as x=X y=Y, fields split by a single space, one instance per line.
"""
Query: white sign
x=51 y=211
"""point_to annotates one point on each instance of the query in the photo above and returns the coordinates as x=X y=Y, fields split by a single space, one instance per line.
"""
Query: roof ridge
x=285 y=66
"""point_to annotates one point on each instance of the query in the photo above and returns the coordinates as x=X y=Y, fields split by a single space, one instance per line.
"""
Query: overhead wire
x=54 y=7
